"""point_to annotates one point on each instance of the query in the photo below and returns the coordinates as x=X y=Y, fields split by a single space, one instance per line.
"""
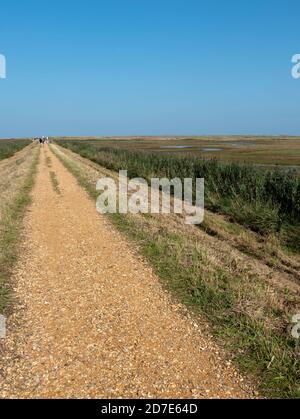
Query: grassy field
x=16 y=180
x=9 y=147
x=265 y=200
x=247 y=305
x=257 y=150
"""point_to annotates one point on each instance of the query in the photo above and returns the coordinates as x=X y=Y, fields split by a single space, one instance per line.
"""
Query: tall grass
x=267 y=201
x=9 y=147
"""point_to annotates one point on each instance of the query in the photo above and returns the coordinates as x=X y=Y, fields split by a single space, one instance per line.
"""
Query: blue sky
x=147 y=67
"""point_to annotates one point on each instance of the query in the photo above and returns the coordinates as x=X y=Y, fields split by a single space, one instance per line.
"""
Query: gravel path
x=91 y=319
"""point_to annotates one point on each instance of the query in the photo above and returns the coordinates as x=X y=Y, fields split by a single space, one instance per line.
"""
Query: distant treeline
x=265 y=200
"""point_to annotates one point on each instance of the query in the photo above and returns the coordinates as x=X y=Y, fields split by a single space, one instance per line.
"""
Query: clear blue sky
x=133 y=67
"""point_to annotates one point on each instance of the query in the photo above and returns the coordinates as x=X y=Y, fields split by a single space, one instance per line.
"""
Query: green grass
x=10 y=227
x=266 y=201
x=55 y=182
x=258 y=345
x=9 y=147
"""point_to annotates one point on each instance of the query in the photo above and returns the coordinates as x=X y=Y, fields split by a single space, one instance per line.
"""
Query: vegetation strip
x=55 y=182
x=10 y=227
x=9 y=147
x=265 y=201
x=231 y=303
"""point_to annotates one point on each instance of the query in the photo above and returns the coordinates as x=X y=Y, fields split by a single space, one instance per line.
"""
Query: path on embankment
x=91 y=318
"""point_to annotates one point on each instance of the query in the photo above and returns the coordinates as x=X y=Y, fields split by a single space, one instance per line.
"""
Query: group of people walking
x=43 y=140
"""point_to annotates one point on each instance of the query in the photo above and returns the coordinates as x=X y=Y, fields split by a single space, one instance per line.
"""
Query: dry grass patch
x=16 y=181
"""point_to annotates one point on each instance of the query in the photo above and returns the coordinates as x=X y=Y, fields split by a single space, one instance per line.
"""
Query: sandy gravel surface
x=92 y=320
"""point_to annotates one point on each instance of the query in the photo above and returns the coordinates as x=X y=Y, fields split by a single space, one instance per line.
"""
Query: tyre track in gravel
x=92 y=320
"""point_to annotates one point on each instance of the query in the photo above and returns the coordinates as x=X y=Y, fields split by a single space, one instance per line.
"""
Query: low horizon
x=179 y=136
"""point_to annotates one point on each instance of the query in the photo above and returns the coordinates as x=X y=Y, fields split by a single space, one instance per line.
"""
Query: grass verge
x=9 y=147
x=55 y=183
x=11 y=227
x=242 y=313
